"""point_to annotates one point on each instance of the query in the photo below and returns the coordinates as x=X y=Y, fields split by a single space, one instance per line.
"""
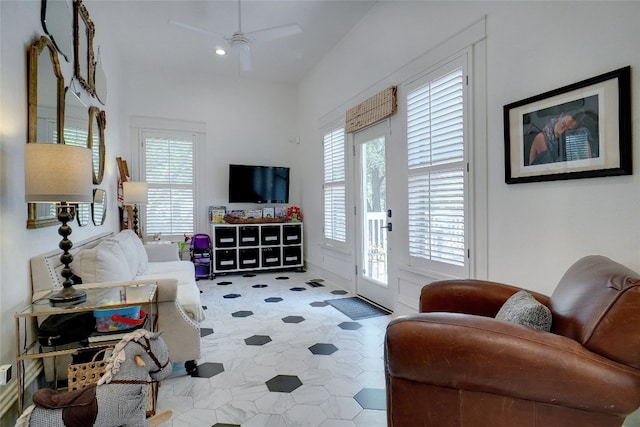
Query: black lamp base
x=67 y=297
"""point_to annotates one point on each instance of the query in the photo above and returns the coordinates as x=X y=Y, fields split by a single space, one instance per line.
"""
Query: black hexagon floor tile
x=283 y=383
x=257 y=340
x=208 y=370
x=229 y=296
x=242 y=313
x=293 y=319
x=248 y=275
x=273 y=299
x=323 y=349
x=259 y=286
x=225 y=425
x=350 y=326
x=224 y=283
x=282 y=278
x=319 y=304
x=298 y=289
x=372 y=398
x=339 y=292
x=205 y=331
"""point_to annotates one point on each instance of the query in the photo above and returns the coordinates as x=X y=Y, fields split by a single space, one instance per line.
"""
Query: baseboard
x=9 y=396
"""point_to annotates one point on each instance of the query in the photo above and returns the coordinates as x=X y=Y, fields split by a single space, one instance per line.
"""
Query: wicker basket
x=80 y=375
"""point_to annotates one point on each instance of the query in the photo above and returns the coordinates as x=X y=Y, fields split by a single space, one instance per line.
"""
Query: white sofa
x=111 y=259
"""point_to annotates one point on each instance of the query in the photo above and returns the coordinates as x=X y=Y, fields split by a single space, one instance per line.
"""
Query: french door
x=373 y=216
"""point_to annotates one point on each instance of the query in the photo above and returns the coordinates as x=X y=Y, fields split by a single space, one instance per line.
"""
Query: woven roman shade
x=374 y=109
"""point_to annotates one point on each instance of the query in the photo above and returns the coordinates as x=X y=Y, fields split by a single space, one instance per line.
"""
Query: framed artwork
x=578 y=131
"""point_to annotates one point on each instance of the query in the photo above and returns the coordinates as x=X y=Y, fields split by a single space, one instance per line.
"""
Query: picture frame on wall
x=582 y=130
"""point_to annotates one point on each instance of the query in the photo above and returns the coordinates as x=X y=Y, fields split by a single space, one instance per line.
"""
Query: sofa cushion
x=134 y=251
x=104 y=263
x=523 y=309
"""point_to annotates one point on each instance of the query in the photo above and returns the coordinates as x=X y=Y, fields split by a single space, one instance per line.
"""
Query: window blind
x=169 y=173
x=334 y=186
x=436 y=170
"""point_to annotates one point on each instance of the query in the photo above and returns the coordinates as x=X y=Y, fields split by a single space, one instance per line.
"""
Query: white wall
x=533 y=232
x=246 y=122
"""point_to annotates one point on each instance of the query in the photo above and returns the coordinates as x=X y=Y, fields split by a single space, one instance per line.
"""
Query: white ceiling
x=142 y=32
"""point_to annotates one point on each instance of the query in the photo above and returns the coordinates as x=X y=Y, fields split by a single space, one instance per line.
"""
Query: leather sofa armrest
x=469 y=296
x=161 y=252
x=483 y=354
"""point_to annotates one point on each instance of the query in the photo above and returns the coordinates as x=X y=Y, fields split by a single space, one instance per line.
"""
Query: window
x=334 y=186
x=437 y=171
x=169 y=170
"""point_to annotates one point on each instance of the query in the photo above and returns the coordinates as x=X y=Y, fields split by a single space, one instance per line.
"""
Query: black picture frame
x=582 y=130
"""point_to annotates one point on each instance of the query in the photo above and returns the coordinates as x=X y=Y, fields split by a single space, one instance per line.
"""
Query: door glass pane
x=374 y=204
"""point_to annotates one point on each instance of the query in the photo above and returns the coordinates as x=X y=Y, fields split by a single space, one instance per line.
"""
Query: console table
x=261 y=246
x=98 y=298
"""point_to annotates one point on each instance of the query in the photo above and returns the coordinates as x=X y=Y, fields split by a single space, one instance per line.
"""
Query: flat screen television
x=258 y=184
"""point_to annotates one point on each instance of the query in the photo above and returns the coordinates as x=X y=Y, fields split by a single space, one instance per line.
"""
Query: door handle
x=389 y=226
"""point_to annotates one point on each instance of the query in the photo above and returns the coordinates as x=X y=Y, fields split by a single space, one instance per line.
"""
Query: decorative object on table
x=578 y=131
x=217 y=214
x=268 y=213
x=294 y=214
x=118 y=398
x=60 y=174
x=281 y=212
x=135 y=193
x=253 y=213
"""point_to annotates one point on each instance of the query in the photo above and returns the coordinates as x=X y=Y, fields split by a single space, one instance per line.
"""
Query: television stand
x=257 y=247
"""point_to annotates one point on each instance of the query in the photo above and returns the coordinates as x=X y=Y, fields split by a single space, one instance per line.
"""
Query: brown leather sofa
x=453 y=364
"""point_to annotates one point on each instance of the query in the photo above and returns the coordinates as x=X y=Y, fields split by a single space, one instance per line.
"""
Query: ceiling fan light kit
x=240 y=42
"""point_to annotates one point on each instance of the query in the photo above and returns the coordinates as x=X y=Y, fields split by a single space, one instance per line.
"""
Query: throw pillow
x=104 y=263
x=523 y=309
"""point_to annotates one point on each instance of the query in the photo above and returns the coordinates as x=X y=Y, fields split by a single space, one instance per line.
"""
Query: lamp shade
x=56 y=173
x=135 y=193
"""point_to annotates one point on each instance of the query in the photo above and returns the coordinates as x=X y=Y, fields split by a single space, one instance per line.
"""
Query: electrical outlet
x=5 y=374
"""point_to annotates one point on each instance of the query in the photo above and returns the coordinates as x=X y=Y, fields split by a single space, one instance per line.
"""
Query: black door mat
x=356 y=308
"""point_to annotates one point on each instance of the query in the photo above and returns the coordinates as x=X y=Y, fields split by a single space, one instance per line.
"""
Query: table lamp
x=60 y=174
x=134 y=194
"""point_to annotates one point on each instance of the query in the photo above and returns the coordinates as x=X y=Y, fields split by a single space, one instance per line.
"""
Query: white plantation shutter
x=169 y=173
x=437 y=170
x=334 y=186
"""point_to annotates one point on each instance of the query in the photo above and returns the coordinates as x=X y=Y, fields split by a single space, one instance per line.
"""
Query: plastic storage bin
x=118 y=319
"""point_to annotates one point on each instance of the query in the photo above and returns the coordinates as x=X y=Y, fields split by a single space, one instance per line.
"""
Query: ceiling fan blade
x=244 y=57
x=274 y=33
x=196 y=29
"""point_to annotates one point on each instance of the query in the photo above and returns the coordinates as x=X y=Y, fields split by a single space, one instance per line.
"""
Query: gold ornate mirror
x=97 y=123
x=45 y=114
x=83 y=32
x=99 y=206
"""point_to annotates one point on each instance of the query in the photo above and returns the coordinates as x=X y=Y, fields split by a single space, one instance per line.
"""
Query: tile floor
x=274 y=354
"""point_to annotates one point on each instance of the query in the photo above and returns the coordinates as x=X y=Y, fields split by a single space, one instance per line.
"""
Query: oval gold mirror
x=97 y=123
x=99 y=206
x=45 y=114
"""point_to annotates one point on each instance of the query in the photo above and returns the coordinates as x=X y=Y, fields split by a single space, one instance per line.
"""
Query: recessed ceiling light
x=220 y=51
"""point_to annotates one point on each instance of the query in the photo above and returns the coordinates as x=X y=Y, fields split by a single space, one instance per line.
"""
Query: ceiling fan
x=240 y=42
